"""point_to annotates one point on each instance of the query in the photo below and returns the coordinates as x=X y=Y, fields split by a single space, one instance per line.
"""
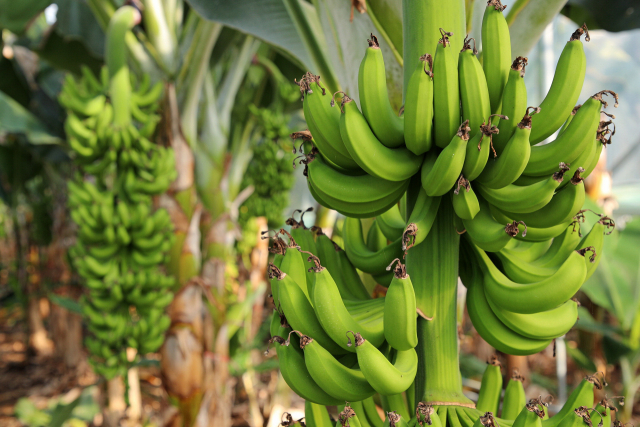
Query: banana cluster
x=122 y=240
x=466 y=133
x=335 y=343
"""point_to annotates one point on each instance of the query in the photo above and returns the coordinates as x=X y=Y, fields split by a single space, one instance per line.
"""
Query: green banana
x=602 y=415
x=578 y=418
x=580 y=396
x=386 y=125
x=486 y=232
x=533 y=297
x=421 y=219
x=573 y=141
x=385 y=377
x=391 y=223
x=351 y=278
x=474 y=93
x=524 y=199
x=529 y=416
x=514 y=103
x=446 y=92
x=595 y=240
x=440 y=171
x=496 y=51
x=316 y=415
x=514 y=159
x=465 y=202
x=400 y=324
x=418 y=108
x=348 y=418
x=565 y=89
x=514 y=397
x=534 y=234
x=392 y=164
x=490 y=387
x=362 y=257
x=394 y=419
x=395 y=403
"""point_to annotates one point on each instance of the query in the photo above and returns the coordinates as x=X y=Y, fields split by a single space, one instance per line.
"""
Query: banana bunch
x=335 y=343
x=122 y=239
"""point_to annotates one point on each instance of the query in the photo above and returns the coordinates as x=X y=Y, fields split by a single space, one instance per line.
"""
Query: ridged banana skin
x=534 y=234
x=351 y=278
x=362 y=257
x=560 y=248
x=465 y=203
x=371 y=413
x=496 y=53
x=476 y=156
x=601 y=414
x=514 y=399
x=441 y=171
x=385 y=377
x=316 y=415
x=527 y=418
x=562 y=207
x=487 y=233
x=523 y=272
x=418 y=110
x=400 y=316
x=490 y=389
x=514 y=106
x=520 y=199
x=511 y=163
x=335 y=379
x=567 y=147
x=563 y=94
x=474 y=93
x=334 y=316
x=328 y=253
x=293 y=265
x=301 y=315
x=294 y=371
x=392 y=164
x=494 y=332
x=396 y=403
x=533 y=297
x=324 y=123
x=545 y=325
x=580 y=396
x=527 y=251
x=446 y=93
x=584 y=160
x=374 y=98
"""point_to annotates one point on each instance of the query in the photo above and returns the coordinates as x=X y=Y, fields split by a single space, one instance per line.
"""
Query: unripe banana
x=465 y=202
x=418 y=108
x=529 y=416
x=478 y=154
x=446 y=92
x=514 y=397
x=392 y=164
x=514 y=103
x=496 y=52
x=486 y=232
x=490 y=387
x=400 y=316
x=387 y=126
x=474 y=94
x=580 y=396
x=386 y=377
x=316 y=415
x=565 y=88
x=362 y=257
x=421 y=220
x=440 y=171
x=595 y=240
x=391 y=223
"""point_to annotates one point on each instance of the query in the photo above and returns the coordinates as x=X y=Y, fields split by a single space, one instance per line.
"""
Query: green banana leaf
x=16 y=15
x=18 y=120
x=75 y=21
x=611 y=15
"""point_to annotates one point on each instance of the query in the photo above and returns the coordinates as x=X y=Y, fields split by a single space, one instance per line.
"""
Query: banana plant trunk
x=433 y=264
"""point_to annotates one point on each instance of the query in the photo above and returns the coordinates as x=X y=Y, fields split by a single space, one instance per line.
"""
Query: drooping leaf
x=67 y=54
x=67 y=303
x=76 y=21
x=18 y=120
x=16 y=15
x=610 y=15
x=581 y=359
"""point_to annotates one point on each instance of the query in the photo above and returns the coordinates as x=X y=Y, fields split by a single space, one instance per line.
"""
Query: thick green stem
x=422 y=21
x=433 y=267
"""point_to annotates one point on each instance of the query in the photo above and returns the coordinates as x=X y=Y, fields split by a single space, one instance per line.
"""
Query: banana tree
x=474 y=168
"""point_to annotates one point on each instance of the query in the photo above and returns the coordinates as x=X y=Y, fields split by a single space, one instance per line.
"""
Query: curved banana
x=529 y=416
x=477 y=154
x=386 y=125
x=392 y=164
x=347 y=417
x=391 y=223
x=351 y=277
x=386 y=377
x=580 y=396
x=324 y=123
x=474 y=93
x=514 y=103
x=505 y=169
x=440 y=171
x=316 y=415
x=446 y=92
x=545 y=325
x=418 y=108
x=524 y=199
x=532 y=297
x=595 y=240
x=496 y=51
x=421 y=219
x=361 y=256
x=400 y=316
x=490 y=387
x=465 y=203
x=568 y=146
x=486 y=232
x=564 y=91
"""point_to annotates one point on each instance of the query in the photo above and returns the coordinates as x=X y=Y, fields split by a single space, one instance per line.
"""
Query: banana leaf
x=611 y=15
